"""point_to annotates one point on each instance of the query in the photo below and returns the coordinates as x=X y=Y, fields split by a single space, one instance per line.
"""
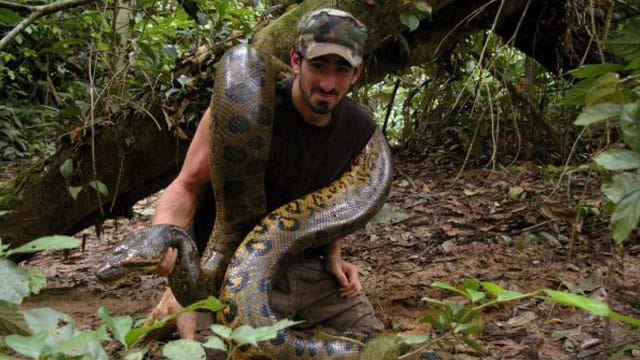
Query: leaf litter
x=509 y=226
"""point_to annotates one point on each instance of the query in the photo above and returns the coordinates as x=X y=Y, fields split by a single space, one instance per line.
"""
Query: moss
x=8 y=198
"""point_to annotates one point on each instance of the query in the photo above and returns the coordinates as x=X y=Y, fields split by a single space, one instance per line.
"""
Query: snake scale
x=243 y=104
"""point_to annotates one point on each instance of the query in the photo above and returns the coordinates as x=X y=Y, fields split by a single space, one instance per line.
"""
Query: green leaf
x=427 y=318
x=630 y=125
x=423 y=7
x=441 y=285
x=413 y=339
x=54 y=242
x=214 y=342
x=620 y=185
x=469 y=329
x=85 y=343
x=626 y=216
x=103 y=46
x=599 y=112
x=409 y=20
x=11 y=320
x=184 y=349
x=211 y=303
x=74 y=191
x=500 y=293
x=594 y=70
x=627 y=44
x=474 y=345
x=99 y=186
x=136 y=333
x=605 y=89
x=4 y=212
x=625 y=318
x=221 y=330
x=170 y=51
x=472 y=284
x=475 y=296
x=581 y=302
x=66 y=169
x=618 y=159
x=45 y=319
x=381 y=348
x=29 y=345
x=633 y=65
x=3 y=249
x=9 y=17
x=264 y=333
x=202 y=18
x=37 y=280
x=575 y=96
x=119 y=326
x=136 y=353
x=243 y=335
x=15 y=282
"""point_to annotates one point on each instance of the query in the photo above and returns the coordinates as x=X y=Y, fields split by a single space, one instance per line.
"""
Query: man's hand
x=165 y=267
x=347 y=275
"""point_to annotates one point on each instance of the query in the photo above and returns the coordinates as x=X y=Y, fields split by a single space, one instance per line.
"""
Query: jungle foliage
x=85 y=64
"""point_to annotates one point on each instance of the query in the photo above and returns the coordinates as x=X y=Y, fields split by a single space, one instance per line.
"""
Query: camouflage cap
x=332 y=31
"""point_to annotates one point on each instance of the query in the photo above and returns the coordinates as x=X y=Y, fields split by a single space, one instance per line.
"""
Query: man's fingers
x=343 y=280
x=352 y=288
x=165 y=267
x=349 y=292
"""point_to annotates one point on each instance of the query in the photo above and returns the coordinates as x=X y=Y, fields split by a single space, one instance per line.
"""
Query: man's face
x=324 y=81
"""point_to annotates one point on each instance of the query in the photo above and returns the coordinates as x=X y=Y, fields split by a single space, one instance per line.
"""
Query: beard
x=318 y=107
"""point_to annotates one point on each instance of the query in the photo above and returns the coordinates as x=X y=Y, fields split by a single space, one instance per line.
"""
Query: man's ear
x=295 y=59
x=357 y=71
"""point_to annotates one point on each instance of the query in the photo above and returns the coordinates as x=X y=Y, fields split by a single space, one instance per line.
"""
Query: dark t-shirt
x=303 y=157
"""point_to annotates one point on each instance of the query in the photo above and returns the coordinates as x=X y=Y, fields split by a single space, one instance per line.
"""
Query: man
x=317 y=133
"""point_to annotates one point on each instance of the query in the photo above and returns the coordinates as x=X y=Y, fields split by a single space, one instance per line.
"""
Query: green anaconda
x=242 y=105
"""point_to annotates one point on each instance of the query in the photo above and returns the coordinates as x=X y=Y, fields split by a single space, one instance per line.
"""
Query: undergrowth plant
x=44 y=333
x=610 y=94
x=459 y=321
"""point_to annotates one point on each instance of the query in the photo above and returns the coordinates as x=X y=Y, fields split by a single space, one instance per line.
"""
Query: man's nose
x=328 y=81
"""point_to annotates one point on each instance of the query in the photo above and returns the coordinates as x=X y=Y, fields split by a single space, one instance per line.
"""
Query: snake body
x=313 y=220
x=243 y=103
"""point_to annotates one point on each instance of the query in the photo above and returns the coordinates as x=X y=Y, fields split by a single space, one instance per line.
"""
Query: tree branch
x=36 y=12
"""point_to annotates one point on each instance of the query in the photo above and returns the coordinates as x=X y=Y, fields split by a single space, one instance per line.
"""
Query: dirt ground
x=513 y=227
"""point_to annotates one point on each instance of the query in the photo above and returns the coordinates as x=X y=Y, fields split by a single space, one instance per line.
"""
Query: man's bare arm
x=177 y=204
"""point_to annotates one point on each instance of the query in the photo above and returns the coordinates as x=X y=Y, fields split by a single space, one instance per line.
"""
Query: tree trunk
x=39 y=199
x=39 y=202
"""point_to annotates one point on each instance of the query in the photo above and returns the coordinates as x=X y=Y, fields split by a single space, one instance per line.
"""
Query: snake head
x=119 y=271
x=124 y=263
x=138 y=254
